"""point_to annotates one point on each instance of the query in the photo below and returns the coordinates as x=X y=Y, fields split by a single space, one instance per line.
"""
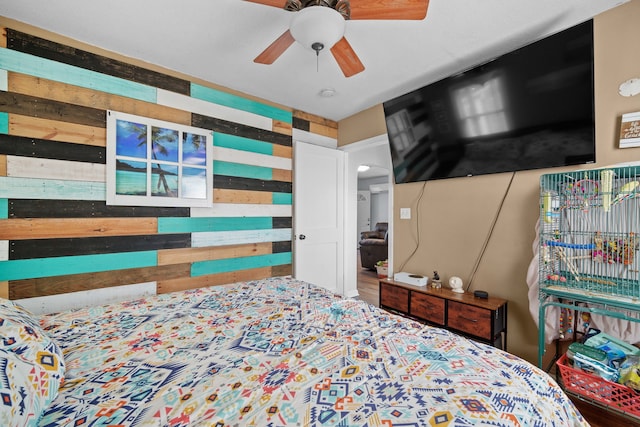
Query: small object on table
x=456 y=284
x=481 y=294
x=435 y=282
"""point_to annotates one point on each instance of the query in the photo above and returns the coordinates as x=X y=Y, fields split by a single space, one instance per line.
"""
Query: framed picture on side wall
x=156 y=163
x=630 y=130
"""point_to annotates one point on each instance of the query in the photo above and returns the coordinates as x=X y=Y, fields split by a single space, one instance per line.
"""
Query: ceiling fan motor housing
x=341 y=6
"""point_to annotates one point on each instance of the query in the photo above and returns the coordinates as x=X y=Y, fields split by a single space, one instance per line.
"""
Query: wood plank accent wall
x=57 y=235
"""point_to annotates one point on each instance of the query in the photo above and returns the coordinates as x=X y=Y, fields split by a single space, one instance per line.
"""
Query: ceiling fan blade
x=346 y=57
x=274 y=3
x=275 y=49
x=389 y=9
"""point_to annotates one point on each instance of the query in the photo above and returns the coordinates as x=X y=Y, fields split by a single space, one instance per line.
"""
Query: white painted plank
x=81 y=299
x=247 y=158
x=184 y=102
x=32 y=167
x=222 y=238
x=241 y=210
x=4 y=250
x=4 y=80
x=314 y=138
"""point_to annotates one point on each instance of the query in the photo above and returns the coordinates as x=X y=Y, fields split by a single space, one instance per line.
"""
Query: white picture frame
x=157 y=163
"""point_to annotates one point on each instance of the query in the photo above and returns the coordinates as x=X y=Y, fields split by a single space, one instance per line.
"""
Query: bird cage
x=590 y=232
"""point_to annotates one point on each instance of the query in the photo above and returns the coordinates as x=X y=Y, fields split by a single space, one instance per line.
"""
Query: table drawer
x=427 y=307
x=473 y=320
x=394 y=297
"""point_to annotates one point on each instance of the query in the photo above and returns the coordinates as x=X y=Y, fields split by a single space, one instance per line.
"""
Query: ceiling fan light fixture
x=317 y=27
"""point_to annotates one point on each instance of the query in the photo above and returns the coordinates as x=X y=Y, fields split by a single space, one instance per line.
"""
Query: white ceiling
x=217 y=40
x=373 y=172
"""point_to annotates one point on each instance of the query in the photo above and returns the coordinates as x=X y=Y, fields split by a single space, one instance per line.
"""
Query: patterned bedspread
x=279 y=352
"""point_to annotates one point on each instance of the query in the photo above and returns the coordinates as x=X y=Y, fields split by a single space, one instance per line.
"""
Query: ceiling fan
x=319 y=24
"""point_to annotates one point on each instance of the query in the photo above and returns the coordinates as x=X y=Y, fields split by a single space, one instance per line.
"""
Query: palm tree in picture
x=197 y=142
x=161 y=140
x=164 y=145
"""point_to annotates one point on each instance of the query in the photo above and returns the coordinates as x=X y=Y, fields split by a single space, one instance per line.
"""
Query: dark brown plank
x=11 y=102
x=44 y=208
x=37 y=46
x=282 y=270
x=240 y=183
x=282 y=222
x=231 y=128
x=46 y=149
x=50 y=248
x=301 y=124
x=280 y=247
x=56 y=285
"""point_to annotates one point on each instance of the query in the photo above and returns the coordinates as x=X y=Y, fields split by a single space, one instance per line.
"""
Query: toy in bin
x=617 y=350
x=607 y=357
x=592 y=360
x=630 y=372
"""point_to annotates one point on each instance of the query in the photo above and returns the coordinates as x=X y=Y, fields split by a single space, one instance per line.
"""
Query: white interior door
x=364 y=212
x=318 y=215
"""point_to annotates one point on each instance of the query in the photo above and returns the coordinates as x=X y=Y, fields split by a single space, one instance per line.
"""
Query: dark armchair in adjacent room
x=374 y=245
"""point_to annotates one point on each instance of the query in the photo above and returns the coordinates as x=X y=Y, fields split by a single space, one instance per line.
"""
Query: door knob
x=302 y=237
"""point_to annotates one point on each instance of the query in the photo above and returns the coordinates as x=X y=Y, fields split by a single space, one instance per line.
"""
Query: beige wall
x=455 y=216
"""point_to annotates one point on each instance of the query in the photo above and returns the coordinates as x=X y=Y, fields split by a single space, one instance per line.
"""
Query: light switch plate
x=405 y=213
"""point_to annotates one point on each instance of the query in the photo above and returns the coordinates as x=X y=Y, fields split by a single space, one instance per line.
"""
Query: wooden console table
x=477 y=318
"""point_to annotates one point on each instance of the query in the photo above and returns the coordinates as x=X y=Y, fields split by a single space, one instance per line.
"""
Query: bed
x=273 y=352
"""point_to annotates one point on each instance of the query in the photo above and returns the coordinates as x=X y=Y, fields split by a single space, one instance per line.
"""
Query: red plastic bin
x=607 y=393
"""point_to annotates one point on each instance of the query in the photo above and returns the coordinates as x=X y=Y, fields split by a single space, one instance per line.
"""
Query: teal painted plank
x=4 y=208
x=202 y=268
x=241 y=170
x=19 y=62
x=240 y=103
x=282 y=198
x=4 y=123
x=33 y=188
x=241 y=143
x=192 y=225
x=62 y=266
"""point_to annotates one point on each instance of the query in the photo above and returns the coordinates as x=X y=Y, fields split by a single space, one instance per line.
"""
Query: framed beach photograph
x=156 y=163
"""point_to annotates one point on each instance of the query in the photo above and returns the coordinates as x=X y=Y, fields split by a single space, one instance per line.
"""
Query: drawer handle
x=469 y=319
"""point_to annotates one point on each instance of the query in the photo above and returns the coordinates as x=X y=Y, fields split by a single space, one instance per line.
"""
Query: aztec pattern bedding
x=280 y=352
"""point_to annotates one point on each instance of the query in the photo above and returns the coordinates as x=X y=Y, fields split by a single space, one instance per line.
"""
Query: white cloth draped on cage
x=559 y=322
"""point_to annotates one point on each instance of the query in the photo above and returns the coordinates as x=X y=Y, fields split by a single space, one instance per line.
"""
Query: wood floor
x=368 y=285
x=597 y=417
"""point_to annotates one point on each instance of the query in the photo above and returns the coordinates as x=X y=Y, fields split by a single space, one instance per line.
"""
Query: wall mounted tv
x=531 y=108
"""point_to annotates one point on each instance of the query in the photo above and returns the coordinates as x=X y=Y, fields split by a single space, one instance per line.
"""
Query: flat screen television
x=531 y=108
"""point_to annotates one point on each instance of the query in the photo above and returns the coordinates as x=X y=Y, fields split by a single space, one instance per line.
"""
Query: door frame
x=359 y=209
x=373 y=151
